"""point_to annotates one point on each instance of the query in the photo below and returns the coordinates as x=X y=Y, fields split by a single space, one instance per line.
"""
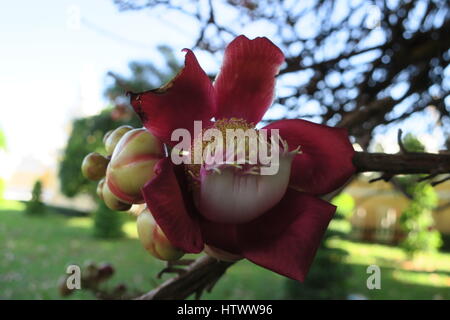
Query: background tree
x=2 y=147
x=87 y=135
x=35 y=206
x=363 y=65
x=143 y=76
x=416 y=220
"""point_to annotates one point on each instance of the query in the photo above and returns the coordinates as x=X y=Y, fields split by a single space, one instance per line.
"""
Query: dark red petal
x=167 y=204
x=245 y=84
x=188 y=97
x=219 y=235
x=325 y=163
x=286 y=238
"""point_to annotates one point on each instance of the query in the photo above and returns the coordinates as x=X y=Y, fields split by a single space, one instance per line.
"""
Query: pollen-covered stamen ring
x=193 y=169
x=245 y=167
x=244 y=188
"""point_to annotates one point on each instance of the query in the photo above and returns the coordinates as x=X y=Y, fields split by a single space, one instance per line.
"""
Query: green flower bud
x=132 y=164
x=94 y=166
x=112 y=202
x=105 y=137
x=100 y=188
x=154 y=240
x=113 y=138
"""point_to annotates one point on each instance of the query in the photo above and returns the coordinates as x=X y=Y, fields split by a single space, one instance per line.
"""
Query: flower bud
x=132 y=164
x=105 y=137
x=220 y=254
x=154 y=240
x=111 y=201
x=104 y=272
x=90 y=270
x=112 y=138
x=94 y=166
x=64 y=291
x=100 y=188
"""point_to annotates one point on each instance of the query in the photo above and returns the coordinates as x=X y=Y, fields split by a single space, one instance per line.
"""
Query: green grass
x=427 y=276
x=35 y=251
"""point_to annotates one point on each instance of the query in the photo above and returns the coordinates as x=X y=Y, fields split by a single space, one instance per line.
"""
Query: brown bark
x=201 y=275
x=408 y=163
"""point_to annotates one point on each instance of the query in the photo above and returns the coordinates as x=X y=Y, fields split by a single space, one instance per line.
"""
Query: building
x=378 y=206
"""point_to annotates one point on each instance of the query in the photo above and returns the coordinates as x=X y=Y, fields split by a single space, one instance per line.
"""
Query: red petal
x=188 y=97
x=285 y=239
x=325 y=163
x=168 y=205
x=219 y=235
x=245 y=84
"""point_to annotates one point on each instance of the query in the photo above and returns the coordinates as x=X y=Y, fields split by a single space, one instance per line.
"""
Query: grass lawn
x=35 y=251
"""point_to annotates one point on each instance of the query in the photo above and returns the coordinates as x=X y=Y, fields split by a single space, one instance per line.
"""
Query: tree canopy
x=362 y=64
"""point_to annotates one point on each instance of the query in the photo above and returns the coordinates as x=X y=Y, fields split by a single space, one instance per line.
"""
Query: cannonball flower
x=274 y=221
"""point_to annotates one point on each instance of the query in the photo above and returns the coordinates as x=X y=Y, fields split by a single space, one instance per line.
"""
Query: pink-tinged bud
x=154 y=240
x=132 y=164
x=112 y=138
x=112 y=202
x=105 y=137
x=94 y=166
x=100 y=188
x=220 y=254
